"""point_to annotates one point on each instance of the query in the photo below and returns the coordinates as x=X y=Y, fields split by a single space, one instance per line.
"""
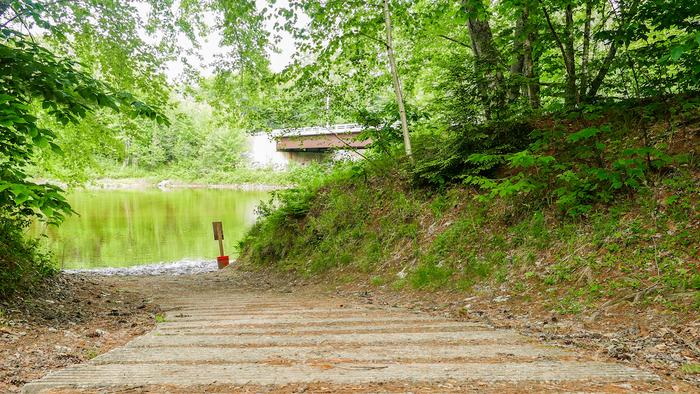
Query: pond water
x=134 y=227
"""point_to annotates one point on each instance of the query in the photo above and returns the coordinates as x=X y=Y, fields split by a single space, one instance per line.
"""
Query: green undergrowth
x=23 y=262
x=627 y=233
x=294 y=175
x=645 y=245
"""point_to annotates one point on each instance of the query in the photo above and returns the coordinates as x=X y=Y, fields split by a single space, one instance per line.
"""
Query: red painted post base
x=223 y=261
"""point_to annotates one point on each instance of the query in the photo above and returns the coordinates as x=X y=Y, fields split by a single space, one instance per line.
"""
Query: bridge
x=307 y=144
x=319 y=139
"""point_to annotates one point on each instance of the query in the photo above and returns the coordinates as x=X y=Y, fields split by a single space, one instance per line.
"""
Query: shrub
x=23 y=264
x=473 y=150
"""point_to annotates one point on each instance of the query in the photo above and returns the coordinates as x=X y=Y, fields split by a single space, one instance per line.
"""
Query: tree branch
x=24 y=11
x=4 y=5
x=453 y=40
x=29 y=32
x=603 y=71
x=10 y=20
x=554 y=33
x=373 y=39
x=352 y=148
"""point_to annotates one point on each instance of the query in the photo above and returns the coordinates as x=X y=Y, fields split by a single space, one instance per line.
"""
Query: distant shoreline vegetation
x=246 y=179
x=144 y=183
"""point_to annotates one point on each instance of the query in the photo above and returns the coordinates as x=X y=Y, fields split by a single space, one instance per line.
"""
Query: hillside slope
x=609 y=256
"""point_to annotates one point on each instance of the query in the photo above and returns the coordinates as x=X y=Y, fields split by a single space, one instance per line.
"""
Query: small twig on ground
x=638 y=296
x=607 y=304
x=634 y=297
x=587 y=273
x=572 y=253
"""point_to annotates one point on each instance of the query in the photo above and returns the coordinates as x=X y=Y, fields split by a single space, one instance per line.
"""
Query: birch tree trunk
x=397 y=81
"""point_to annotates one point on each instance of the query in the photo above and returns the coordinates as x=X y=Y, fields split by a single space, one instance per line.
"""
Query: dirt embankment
x=73 y=318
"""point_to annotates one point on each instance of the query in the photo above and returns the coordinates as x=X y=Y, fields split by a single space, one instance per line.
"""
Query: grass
x=377 y=280
x=91 y=353
x=564 y=229
x=160 y=318
x=448 y=240
x=691 y=368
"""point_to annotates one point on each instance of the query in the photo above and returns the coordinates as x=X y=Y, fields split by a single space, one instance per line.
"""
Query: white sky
x=210 y=49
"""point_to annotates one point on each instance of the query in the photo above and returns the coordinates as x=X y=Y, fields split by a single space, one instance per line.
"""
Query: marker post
x=219 y=236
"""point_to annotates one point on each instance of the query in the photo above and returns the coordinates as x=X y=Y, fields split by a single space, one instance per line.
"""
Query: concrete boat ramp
x=265 y=342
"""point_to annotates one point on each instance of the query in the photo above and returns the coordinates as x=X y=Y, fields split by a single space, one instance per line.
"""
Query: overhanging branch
x=454 y=40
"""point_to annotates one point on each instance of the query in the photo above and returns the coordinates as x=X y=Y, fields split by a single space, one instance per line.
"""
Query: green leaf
x=677 y=52
x=22 y=198
x=584 y=134
x=47 y=210
x=56 y=149
x=41 y=142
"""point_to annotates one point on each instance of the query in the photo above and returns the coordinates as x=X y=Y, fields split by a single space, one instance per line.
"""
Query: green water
x=125 y=228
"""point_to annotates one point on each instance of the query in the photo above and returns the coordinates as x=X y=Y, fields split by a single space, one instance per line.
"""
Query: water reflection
x=124 y=228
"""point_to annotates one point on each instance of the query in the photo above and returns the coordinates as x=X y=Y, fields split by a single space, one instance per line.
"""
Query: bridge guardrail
x=318 y=130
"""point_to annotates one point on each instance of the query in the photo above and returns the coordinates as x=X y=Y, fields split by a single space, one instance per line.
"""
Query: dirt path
x=219 y=335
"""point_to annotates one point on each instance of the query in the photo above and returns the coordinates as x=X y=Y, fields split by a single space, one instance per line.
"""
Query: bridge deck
x=321 y=142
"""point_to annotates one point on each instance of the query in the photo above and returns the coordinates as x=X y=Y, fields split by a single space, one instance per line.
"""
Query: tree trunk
x=571 y=91
x=397 y=81
x=607 y=62
x=583 y=85
x=486 y=55
x=531 y=76
x=127 y=152
x=518 y=62
x=566 y=47
x=602 y=72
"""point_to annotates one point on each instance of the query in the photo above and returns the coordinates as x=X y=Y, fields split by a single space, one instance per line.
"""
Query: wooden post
x=219 y=236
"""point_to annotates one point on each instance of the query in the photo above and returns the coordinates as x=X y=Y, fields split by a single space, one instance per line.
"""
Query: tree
x=486 y=54
x=128 y=45
x=346 y=37
x=396 y=80
x=31 y=78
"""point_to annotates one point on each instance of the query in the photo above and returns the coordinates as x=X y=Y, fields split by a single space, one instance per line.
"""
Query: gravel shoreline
x=164 y=185
x=183 y=267
x=169 y=184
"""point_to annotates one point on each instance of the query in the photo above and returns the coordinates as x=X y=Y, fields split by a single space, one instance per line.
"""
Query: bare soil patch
x=73 y=318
